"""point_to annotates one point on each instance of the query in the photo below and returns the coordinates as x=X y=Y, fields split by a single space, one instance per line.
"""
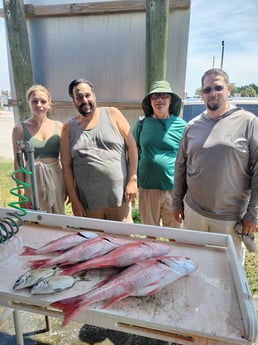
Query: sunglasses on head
x=208 y=89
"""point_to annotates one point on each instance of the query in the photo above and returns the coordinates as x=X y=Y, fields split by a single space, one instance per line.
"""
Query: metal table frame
x=186 y=237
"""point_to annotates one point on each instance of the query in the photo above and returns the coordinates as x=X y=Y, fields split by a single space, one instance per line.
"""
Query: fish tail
x=65 y=304
x=70 y=307
x=28 y=251
x=70 y=315
x=44 y=263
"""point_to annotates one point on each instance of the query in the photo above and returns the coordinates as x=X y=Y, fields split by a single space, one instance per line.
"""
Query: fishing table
x=211 y=306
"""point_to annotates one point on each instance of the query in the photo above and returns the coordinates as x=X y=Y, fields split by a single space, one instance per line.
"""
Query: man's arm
x=124 y=128
x=251 y=217
x=180 y=186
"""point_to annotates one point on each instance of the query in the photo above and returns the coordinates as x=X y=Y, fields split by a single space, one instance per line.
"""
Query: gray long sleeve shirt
x=217 y=167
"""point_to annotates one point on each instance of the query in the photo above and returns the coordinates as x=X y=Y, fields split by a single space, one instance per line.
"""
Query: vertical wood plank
x=157 y=14
x=19 y=52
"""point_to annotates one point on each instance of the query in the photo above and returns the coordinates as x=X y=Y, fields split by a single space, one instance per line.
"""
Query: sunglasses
x=161 y=95
x=208 y=89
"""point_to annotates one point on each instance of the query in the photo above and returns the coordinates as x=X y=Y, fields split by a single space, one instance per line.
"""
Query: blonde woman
x=44 y=135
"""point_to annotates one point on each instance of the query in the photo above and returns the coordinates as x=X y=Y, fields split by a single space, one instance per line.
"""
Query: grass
x=7 y=183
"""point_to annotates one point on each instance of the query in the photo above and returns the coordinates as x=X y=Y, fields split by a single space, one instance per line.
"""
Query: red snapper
x=143 y=278
x=123 y=256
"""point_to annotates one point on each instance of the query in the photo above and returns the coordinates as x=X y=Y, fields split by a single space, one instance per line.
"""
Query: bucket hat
x=161 y=86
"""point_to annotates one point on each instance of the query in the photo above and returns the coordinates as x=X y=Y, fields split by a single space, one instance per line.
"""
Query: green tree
x=255 y=87
x=248 y=92
x=198 y=92
x=235 y=90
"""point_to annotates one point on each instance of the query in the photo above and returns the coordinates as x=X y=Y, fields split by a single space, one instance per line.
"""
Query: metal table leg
x=18 y=327
x=48 y=324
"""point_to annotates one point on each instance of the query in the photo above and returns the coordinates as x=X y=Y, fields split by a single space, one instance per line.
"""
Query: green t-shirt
x=159 y=141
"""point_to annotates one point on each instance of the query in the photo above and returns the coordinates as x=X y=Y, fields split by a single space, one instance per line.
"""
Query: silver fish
x=53 y=284
x=33 y=276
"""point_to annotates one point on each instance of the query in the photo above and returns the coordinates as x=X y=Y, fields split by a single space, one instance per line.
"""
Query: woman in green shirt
x=158 y=137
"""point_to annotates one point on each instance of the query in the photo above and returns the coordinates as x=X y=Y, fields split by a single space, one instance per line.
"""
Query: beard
x=214 y=104
x=213 y=107
x=87 y=112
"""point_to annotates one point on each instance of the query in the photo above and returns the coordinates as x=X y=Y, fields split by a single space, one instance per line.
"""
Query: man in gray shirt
x=99 y=158
x=216 y=171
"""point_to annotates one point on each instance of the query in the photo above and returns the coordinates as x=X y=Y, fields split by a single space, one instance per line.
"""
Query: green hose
x=14 y=191
x=10 y=224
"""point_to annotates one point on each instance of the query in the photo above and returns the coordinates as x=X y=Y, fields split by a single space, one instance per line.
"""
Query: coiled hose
x=11 y=223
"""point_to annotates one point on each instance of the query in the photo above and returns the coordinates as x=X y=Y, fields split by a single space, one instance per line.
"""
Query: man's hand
x=179 y=215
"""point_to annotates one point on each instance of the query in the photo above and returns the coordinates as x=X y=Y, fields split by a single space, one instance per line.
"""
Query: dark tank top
x=49 y=148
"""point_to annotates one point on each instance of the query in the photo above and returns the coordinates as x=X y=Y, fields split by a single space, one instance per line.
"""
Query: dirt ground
x=35 y=333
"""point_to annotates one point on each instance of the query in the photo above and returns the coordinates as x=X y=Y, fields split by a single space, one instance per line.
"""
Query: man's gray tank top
x=99 y=163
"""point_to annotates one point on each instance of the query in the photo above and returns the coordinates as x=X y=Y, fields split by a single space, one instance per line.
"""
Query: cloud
x=233 y=22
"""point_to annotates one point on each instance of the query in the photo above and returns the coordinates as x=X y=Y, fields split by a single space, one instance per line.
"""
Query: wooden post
x=157 y=13
x=19 y=52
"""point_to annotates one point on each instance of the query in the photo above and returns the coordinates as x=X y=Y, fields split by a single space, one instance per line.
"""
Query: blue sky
x=235 y=22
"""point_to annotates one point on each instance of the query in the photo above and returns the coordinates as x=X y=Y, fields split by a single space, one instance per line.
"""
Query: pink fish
x=122 y=256
x=83 y=251
x=60 y=244
x=143 y=278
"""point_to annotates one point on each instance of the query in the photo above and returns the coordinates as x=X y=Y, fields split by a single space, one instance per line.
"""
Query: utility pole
x=213 y=61
x=20 y=54
x=222 y=55
x=157 y=14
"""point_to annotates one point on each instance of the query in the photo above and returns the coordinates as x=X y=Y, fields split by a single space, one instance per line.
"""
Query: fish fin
x=78 y=279
x=104 y=281
x=43 y=263
x=28 y=251
x=113 y=300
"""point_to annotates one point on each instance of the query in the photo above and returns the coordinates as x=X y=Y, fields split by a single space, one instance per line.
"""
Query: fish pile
x=86 y=250
x=145 y=268
x=143 y=278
